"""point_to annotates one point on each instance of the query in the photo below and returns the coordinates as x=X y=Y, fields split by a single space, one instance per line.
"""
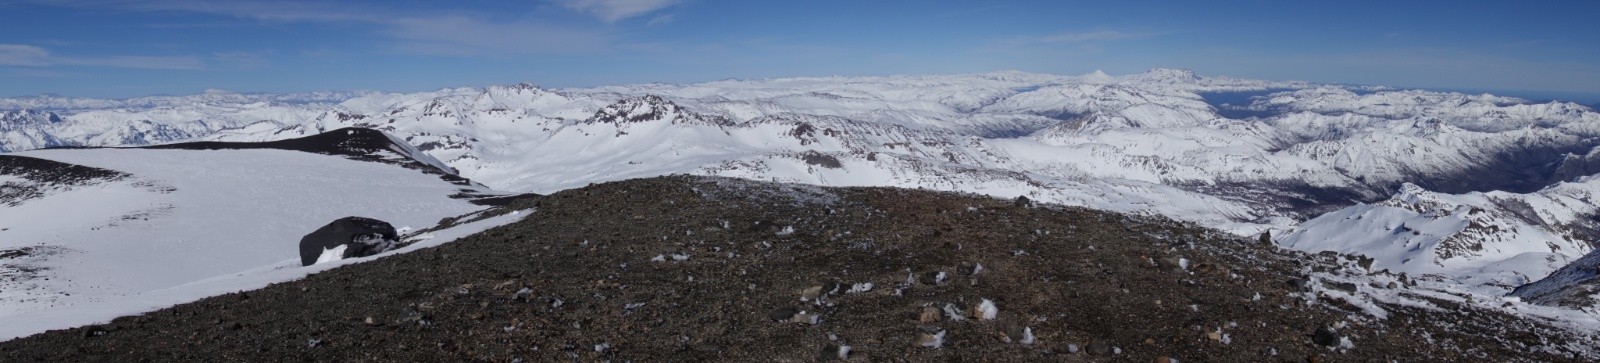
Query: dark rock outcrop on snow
x=360 y=237
x=35 y=174
x=351 y=142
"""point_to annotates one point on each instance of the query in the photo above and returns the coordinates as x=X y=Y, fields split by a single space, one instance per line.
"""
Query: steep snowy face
x=24 y=119
x=26 y=130
x=1497 y=240
x=1575 y=286
x=86 y=230
x=1432 y=153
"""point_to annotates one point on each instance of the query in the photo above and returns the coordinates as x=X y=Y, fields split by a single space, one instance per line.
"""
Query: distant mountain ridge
x=1147 y=143
x=52 y=102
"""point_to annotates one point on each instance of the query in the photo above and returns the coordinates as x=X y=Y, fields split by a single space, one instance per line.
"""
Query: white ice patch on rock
x=934 y=341
x=332 y=254
x=987 y=310
x=860 y=288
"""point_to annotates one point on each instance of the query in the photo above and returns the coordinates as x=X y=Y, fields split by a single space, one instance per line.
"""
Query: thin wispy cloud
x=243 y=60
x=458 y=34
x=462 y=35
x=1093 y=36
x=260 y=10
x=661 y=20
x=35 y=56
x=612 y=11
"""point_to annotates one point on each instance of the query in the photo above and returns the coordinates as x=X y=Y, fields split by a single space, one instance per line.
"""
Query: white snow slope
x=143 y=242
x=1498 y=240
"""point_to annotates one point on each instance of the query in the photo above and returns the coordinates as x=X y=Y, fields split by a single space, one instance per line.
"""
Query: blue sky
x=124 y=48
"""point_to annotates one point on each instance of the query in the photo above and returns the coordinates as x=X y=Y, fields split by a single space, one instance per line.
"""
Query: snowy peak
x=1097 y=76
x=650 y=108
x=28 y=129
x=19 y=119
x=520 y=87
x=1168 y=76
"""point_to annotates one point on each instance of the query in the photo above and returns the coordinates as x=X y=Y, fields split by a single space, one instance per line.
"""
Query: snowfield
x=186 y=216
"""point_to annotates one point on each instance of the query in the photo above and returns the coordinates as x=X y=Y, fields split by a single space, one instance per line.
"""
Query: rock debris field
x=687 y=268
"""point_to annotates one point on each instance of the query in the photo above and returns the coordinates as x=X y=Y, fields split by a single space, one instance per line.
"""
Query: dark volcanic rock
x=1325 y=336
x=351 y=142
x=36 y=175
x=360 y=237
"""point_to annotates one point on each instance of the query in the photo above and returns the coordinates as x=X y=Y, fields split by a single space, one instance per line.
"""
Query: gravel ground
x=693 y=269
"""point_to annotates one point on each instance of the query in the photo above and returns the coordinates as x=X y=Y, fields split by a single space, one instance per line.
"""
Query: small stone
x=1365 y=262
x=1325 y=336
x=806 y=318
x=1174 y=262
x=830 y=352
x=985 y=310
x=811 y=293
x=1165 y=359
x=93 y=331
x=371 y=321
x=1099 y=347
x=829 y=288
x=969 y=268
x=1013 y=331
x=1073 y=348
x=930 y=315
x=1342 y=286
x=782 y=314
x=1299 y=284
x=931 y=340
x=1215 y=336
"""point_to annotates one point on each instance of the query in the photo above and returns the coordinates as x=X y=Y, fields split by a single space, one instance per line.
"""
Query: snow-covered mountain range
x=1273 y=155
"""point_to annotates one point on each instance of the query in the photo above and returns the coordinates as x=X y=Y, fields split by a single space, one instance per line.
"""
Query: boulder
x=347 y=237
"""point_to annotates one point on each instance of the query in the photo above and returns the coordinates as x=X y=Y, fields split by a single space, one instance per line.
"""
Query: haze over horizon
x=118 y=49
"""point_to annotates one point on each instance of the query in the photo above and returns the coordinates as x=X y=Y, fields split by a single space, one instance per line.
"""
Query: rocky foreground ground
x=693 y=269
